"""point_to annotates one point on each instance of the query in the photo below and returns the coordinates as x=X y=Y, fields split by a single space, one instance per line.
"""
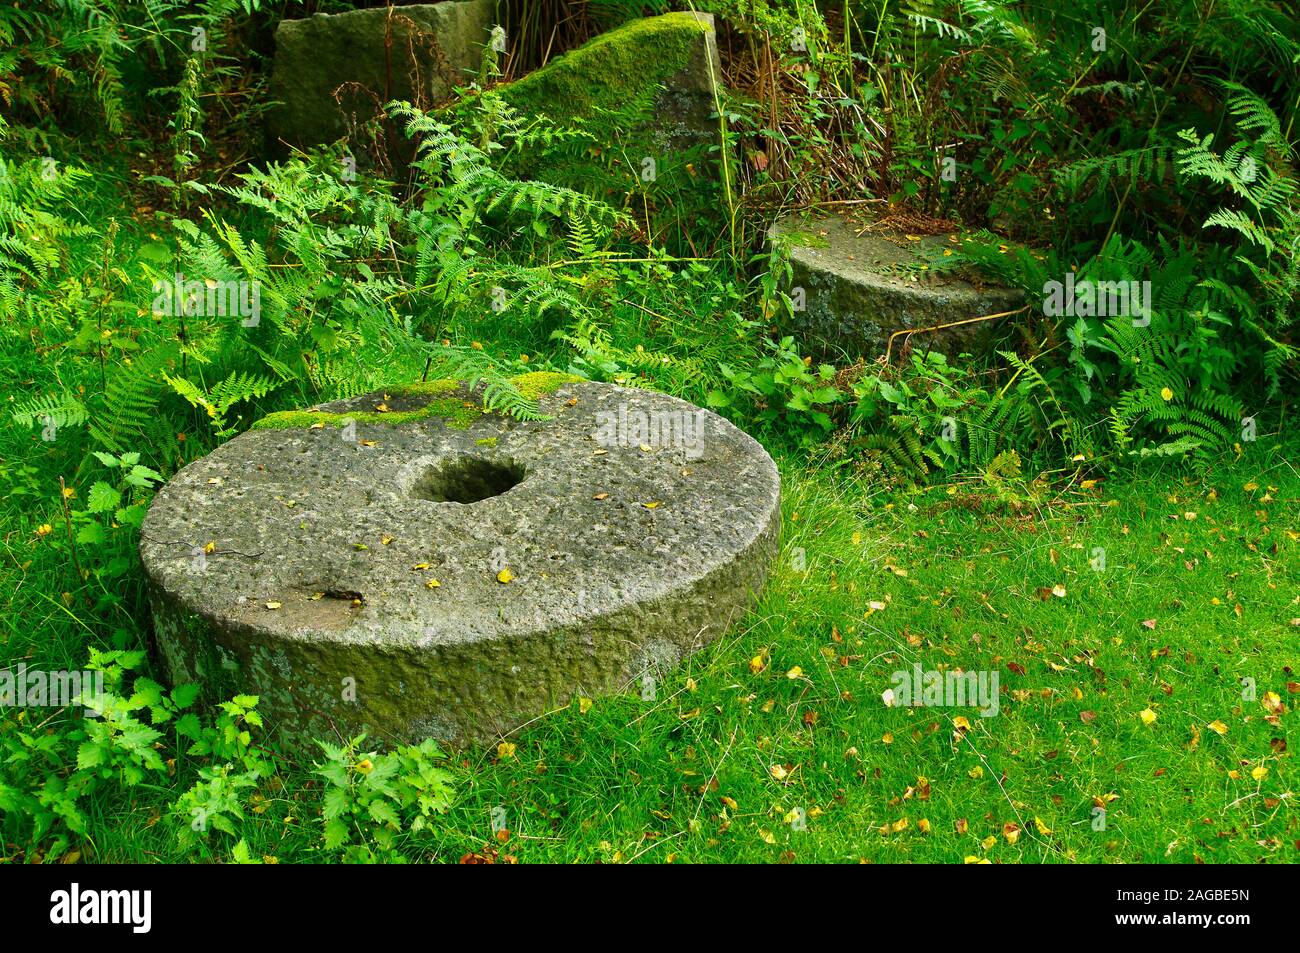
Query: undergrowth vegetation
x=163 y=286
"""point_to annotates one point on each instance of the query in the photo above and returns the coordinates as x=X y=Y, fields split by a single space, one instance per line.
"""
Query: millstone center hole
x=466 y=480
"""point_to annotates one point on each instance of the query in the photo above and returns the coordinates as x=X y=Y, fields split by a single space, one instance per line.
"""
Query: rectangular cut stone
x=416 y=53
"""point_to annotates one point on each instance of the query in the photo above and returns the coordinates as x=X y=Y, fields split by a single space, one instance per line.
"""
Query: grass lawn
x=1161 y=596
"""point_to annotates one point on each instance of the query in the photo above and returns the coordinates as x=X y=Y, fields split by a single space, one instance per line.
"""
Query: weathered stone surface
x=621 y=562
x=415 y=52
x=859 y=289
x=677 y=51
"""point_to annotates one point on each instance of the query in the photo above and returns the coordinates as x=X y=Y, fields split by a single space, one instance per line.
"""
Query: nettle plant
x=782 y=387
x=115 y=509
x=52 y=768
x=216 y=800
x=377 y=804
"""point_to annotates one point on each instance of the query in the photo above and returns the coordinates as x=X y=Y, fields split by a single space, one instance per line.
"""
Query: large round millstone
x=402 y=563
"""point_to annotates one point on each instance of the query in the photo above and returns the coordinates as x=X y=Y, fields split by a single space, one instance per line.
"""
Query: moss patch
x=454 y=411
x=611 y=70
x=458 y=411
x=538 y=384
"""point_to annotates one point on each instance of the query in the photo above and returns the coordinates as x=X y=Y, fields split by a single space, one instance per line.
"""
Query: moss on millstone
x=456 y=410
x=611 y=70
x=538 y=384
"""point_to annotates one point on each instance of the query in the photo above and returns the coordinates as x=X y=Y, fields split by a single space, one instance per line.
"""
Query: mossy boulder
x=677 y=51
x=406 y=564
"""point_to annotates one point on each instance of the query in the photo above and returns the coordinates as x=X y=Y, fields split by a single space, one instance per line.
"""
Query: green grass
x=632 y=779
x=966 y=582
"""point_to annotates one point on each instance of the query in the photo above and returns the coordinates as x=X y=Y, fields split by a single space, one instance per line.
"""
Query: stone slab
x=416 y=52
